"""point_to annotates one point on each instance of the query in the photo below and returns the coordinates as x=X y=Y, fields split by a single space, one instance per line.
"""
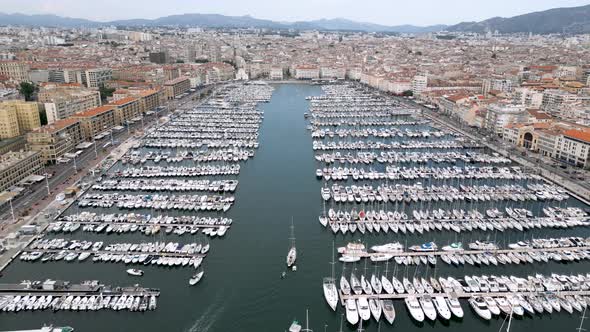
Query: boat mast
x=306 y=322
x=292 y=238
x=581 y=329
x=333 y=279
x=341 y=316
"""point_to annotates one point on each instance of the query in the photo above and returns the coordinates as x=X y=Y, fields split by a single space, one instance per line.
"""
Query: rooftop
x=56 y=126
x=10 y=159
x=123 y=101
x=176 y=80
x=94 y=111
x=581 y=135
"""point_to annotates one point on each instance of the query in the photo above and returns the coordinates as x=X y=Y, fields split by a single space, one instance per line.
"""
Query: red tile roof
x=94 y=111
x=123 y=101
x=583 y=136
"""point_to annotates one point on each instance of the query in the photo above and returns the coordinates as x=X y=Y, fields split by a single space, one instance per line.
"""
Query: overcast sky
x=388 y=12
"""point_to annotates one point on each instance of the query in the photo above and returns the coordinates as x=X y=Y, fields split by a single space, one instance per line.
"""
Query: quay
x=465 y=252
x=460 y=295
x=61 y=288
x=114 y=252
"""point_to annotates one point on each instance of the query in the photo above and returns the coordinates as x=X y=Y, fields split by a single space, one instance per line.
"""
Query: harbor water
x=242 y=289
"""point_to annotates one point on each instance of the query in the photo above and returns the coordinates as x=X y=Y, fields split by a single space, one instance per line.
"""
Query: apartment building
x=96 y=77
x=573 y=147
x=499 y=115
x=528 y=97
x=276 y=73
x=15 y=70
x=54 y=140
x=333 y=72
x=96 y=120
x=15 y=166
x=554 y=99
x=26 y=114
x=307 y=72
x=419 y=84
x=8 y=123
x=126 y=109
x=61 y=101
x=502 y=85
x=149 y=99
x=176 y=87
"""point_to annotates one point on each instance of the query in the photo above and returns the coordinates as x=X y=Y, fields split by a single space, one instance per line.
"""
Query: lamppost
x=46 y=180
x=12 y=211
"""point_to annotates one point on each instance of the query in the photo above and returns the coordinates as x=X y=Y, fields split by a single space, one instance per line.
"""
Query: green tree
x=105 y=92
x=408 y=93
x=27 y=89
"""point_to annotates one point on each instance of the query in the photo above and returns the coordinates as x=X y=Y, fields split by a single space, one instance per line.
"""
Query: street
x=35 y=197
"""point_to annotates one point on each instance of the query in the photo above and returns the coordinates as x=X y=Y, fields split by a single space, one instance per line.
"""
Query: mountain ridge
x=556 y=20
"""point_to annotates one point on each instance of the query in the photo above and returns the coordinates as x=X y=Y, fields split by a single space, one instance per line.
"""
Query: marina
x=423 y=188
x=279 y=181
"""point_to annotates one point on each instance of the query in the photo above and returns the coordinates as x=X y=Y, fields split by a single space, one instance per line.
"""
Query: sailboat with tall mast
x=292 y=254
x=329 y=285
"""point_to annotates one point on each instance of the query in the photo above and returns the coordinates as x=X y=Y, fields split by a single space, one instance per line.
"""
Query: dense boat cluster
x=145 y=224
x=179 y=179
x=387 y=169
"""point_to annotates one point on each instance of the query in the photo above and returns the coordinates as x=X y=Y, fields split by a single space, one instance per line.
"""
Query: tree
x=105 y=92
x=408 y=93
x=494 y=56
x=27 y=89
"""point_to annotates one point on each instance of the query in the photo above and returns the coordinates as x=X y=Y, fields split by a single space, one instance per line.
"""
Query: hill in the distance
x=557 y=20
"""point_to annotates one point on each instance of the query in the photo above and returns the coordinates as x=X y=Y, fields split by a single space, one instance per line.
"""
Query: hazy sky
x=389 y=12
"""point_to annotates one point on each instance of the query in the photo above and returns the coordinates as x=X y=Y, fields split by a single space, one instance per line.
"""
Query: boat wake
x=208 y=318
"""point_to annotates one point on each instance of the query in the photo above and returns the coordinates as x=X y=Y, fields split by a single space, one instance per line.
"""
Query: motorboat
x=135 y=272
x=455 y=306
x=427 y=307
x=363 y=308
x=414 y=308
x=388 y=310
x=196 y=278
x=352 y=314
x=442 y=308
x=480 y=307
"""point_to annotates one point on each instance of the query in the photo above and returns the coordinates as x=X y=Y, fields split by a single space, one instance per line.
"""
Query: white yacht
x=442 y=308
x=329 y=286
x=135 y=272
x=455 y=307
x=375 y=307
x=428 y=307
x=388 y=310
x=480 y=307
x=352 y=314
x=292 y=254
x=196 y=278
x=363 y=308
x=414 y=308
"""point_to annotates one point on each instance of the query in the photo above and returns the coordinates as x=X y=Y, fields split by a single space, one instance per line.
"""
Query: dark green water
x=242 y=289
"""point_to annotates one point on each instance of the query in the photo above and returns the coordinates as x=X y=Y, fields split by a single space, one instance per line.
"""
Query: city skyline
x=436 y=12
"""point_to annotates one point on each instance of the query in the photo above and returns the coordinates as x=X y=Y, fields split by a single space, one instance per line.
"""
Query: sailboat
x=329 y=285
x=292 y=254
x=296 y=327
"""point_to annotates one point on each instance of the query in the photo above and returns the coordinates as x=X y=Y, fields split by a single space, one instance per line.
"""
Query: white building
x=419 y=84
x=499 y=115
x=307 y=72
x=276 y=73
